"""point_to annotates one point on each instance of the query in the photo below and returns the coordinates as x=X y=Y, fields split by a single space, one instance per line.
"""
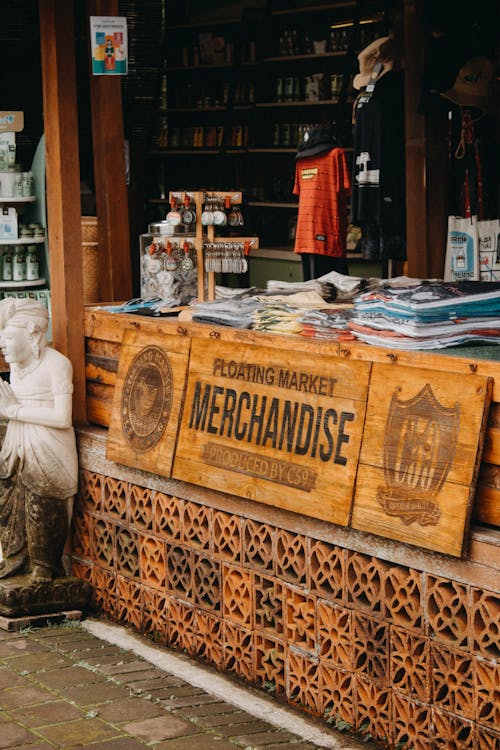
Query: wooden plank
x=101 y=369
x=492 y=446
x=114 y=257
x=106 y=326
x=147 y=401
x=487 y=501
x=63 y=187
x=275 y=426
x=99 y=411
x=103 y=348
x=420 y=456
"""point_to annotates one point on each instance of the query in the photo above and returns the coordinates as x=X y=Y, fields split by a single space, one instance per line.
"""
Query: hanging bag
x=489 y=249
x=462 y=250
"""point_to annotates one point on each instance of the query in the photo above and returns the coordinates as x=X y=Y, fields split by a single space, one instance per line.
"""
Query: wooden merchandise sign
x=279 y=427
x=387 y=449
x=147 y=400
x=420 y=456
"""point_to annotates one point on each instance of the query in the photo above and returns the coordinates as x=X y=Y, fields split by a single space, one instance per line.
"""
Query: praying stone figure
x=38 y=457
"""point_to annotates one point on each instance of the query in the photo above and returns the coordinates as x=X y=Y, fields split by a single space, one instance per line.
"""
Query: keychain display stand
x=205 y=234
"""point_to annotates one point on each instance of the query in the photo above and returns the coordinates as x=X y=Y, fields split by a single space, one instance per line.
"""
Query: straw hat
x=379 y=51
x=474 y=85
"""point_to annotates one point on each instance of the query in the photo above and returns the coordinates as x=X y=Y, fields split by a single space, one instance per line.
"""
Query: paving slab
x=93 y=695
x=52 y=712
x=19 y=647
x=9 y=679
x=200 y=700
x=199 y=742
x=117 y=743
x=27 y=695
x=239 y=731
x=263 y=739
x=129 y=709
x=69 y=677
x=128 y=667
x=160 y=728
x=208 y=707
x=163 y=684
x=35 y=662
x=235 y=718
x=13 y=735
x=71 y=734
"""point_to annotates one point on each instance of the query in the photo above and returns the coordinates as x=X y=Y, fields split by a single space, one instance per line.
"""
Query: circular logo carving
x=147 y=398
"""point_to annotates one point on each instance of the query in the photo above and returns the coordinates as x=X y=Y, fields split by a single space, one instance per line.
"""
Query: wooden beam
x=426 y=160
x=63 y=188
x=114 y=261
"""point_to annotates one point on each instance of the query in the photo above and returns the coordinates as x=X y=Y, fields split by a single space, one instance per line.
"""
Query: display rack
x=206 y=233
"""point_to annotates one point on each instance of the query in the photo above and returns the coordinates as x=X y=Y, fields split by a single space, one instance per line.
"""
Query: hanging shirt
x=378 y=183
x=322 y=184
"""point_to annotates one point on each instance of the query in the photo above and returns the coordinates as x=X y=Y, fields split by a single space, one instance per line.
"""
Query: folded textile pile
x=331 y=324
x=332 y=286
x=237 y=311
x=430 y=315
x=277 y=318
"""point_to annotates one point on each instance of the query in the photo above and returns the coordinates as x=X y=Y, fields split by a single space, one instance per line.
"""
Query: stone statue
x=38 y=458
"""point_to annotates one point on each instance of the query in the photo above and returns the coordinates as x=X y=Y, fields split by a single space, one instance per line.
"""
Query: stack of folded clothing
x=430 y=315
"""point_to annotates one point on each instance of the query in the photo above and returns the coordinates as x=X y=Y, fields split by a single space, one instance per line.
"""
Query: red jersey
x=322 y=184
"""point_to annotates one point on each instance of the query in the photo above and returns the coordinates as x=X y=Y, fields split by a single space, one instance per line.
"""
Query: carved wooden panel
x=279 y=427
x=420 y=456
x=147 y=400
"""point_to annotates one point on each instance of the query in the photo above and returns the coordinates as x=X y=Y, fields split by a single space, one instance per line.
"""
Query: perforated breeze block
x=389 y=652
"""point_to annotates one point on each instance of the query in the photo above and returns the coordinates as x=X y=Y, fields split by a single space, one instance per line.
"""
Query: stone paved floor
x=63 y=687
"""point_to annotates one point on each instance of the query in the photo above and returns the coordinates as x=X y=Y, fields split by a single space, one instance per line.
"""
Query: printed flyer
x=108 y=35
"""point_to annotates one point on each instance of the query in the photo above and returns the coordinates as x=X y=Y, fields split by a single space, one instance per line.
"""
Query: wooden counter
x=333 y=619
x=104 y=331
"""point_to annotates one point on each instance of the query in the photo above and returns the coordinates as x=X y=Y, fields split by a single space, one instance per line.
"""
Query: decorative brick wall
x=406 y=657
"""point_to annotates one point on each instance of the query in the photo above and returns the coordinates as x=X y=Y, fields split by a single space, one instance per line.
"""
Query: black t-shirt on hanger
x=378 y=183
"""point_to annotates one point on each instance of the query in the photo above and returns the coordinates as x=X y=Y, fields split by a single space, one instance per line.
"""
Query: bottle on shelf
x=7 y=265
x=19 y=264
x=32 y=264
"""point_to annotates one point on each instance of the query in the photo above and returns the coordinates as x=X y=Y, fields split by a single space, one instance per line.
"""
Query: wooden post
x=426 y=160
x=63 y=188
x=114 y=264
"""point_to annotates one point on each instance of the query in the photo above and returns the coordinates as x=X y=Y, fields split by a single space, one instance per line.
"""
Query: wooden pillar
x=114 y=261
x=426 y=160
x=63 y=188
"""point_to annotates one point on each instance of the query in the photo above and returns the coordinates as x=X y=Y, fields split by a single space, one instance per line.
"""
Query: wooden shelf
x=184 y=151
x=13 y=199
x=314 y=8
x=319 y=103
x=273 y=204
x=204 y=24
x=310 y=56
x=24 y=241
x=196 y=68
x=21 y=284
x=272 y=150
